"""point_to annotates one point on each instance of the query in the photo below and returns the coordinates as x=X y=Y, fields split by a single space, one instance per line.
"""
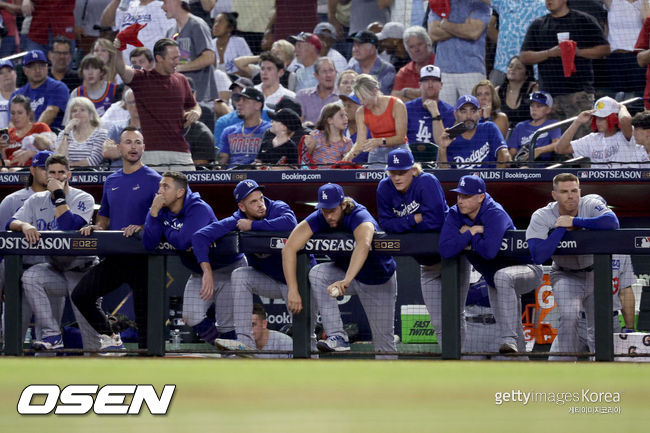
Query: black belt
x=487 y=319
x=584 y=316
x=587 y=269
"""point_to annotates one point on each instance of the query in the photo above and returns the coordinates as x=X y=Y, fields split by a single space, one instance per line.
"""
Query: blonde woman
x=82 y=139
x=345 y=81
x=384 y=116
x=327 y=143
x=490 y=103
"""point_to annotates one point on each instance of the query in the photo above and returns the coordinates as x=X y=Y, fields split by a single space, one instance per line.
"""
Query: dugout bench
x=602 y=244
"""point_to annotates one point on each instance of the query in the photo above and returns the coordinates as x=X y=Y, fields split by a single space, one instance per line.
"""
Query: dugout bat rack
x=601 y=243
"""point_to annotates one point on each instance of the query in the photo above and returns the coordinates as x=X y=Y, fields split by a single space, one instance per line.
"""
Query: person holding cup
x=573 y=94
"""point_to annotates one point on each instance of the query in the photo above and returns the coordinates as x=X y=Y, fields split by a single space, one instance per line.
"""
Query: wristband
x=383 y=142
x=438 y=117
x=404 y=93
x=59 y=197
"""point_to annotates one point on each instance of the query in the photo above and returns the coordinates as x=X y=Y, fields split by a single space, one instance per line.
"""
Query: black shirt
x=542 y=35
x=70 y=79
x=201 y=142
x=286 y=153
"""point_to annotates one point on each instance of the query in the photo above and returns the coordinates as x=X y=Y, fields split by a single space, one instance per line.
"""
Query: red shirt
x=643 y=43
x=16 y=142
x=162 y=101
x=408 y=76
x=55 y=15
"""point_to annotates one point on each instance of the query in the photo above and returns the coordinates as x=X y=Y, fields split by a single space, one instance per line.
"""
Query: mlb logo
x=583 y=175
x=362 y=175
x=642 y=242
x=278 y=243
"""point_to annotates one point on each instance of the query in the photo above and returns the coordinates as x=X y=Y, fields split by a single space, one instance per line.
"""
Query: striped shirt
x=91 y=149
x=329 y=153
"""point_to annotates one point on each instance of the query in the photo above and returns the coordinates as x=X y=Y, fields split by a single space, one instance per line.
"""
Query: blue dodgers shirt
x=378 y=268
x=51 y=93
x=419 y=127
x=482 y=147
x=127 y=197
x=484 y=246
x=179 y=230
x=242 y=144
x=279 y=218
x=397 y=211
x=523 y=133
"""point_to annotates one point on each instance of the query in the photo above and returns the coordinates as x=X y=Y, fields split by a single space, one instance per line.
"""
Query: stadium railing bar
x=602 y=244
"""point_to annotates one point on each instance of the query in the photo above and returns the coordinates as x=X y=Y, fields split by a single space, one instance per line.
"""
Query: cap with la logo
x=244 y=188
x=400 y=159
x=330 y=196
x=467 y=99
x=429 y=71
x=34 y=56
x=470 y=185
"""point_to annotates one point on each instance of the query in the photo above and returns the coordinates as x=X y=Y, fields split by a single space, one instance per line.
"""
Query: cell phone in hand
x=456 y=130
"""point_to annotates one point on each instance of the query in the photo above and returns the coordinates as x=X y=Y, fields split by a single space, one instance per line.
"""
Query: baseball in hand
x=335 y=292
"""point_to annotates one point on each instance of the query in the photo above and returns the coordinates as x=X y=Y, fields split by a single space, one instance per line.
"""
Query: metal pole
x=450 y=275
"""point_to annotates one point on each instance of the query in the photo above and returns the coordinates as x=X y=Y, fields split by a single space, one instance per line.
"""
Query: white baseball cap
x=429 y=71
x=605 y=106
x=391 y=30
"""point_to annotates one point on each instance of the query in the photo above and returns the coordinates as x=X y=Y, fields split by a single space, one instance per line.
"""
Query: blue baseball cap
x=351 y=97
x=400 y=159
x=244 y=188
x=330 y=195
x=470 y=185
x=542 y=97
x=34 y=56
x=6 y=63
x=467 y=99
x=39 y=159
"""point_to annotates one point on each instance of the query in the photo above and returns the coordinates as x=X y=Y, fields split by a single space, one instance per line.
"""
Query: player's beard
x=470 y=124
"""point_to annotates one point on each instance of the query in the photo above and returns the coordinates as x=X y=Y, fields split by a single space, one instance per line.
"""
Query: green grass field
x=229 y=395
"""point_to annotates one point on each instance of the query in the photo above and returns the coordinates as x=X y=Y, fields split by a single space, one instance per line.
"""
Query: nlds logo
x=109 y=399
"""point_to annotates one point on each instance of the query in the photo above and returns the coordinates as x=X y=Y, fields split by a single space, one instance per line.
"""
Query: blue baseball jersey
x=482 y=147
x=179 y=230
x=242 y=144
x=126 y=198
x=378 y=268
x=279 y=218
x=484 y=246
x=51 y=93
x=397 y=211
x=419 y=128
x=523 y=133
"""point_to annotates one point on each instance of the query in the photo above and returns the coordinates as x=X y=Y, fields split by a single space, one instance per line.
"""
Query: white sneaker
x=335 y=343
x=111 y=342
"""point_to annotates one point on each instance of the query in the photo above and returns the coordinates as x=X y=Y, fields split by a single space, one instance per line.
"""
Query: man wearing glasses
x=60 y=56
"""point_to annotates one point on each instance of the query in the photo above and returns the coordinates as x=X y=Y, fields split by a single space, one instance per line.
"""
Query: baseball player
x=264 y=275
x=572 y=277
x=36 y=182
x=478 y=222
x=61 y=207
x=178 y=213
x=480 y=324
x=364 y=273
x=126 y=199
x=267 y=339
x=409 y=200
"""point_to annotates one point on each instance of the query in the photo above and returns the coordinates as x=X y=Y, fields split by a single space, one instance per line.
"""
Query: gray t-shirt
x=543 y=221
x=192 y=40
x=277 y=341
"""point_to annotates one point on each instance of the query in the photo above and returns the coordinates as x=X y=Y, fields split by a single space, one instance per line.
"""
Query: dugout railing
x=602 y=244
